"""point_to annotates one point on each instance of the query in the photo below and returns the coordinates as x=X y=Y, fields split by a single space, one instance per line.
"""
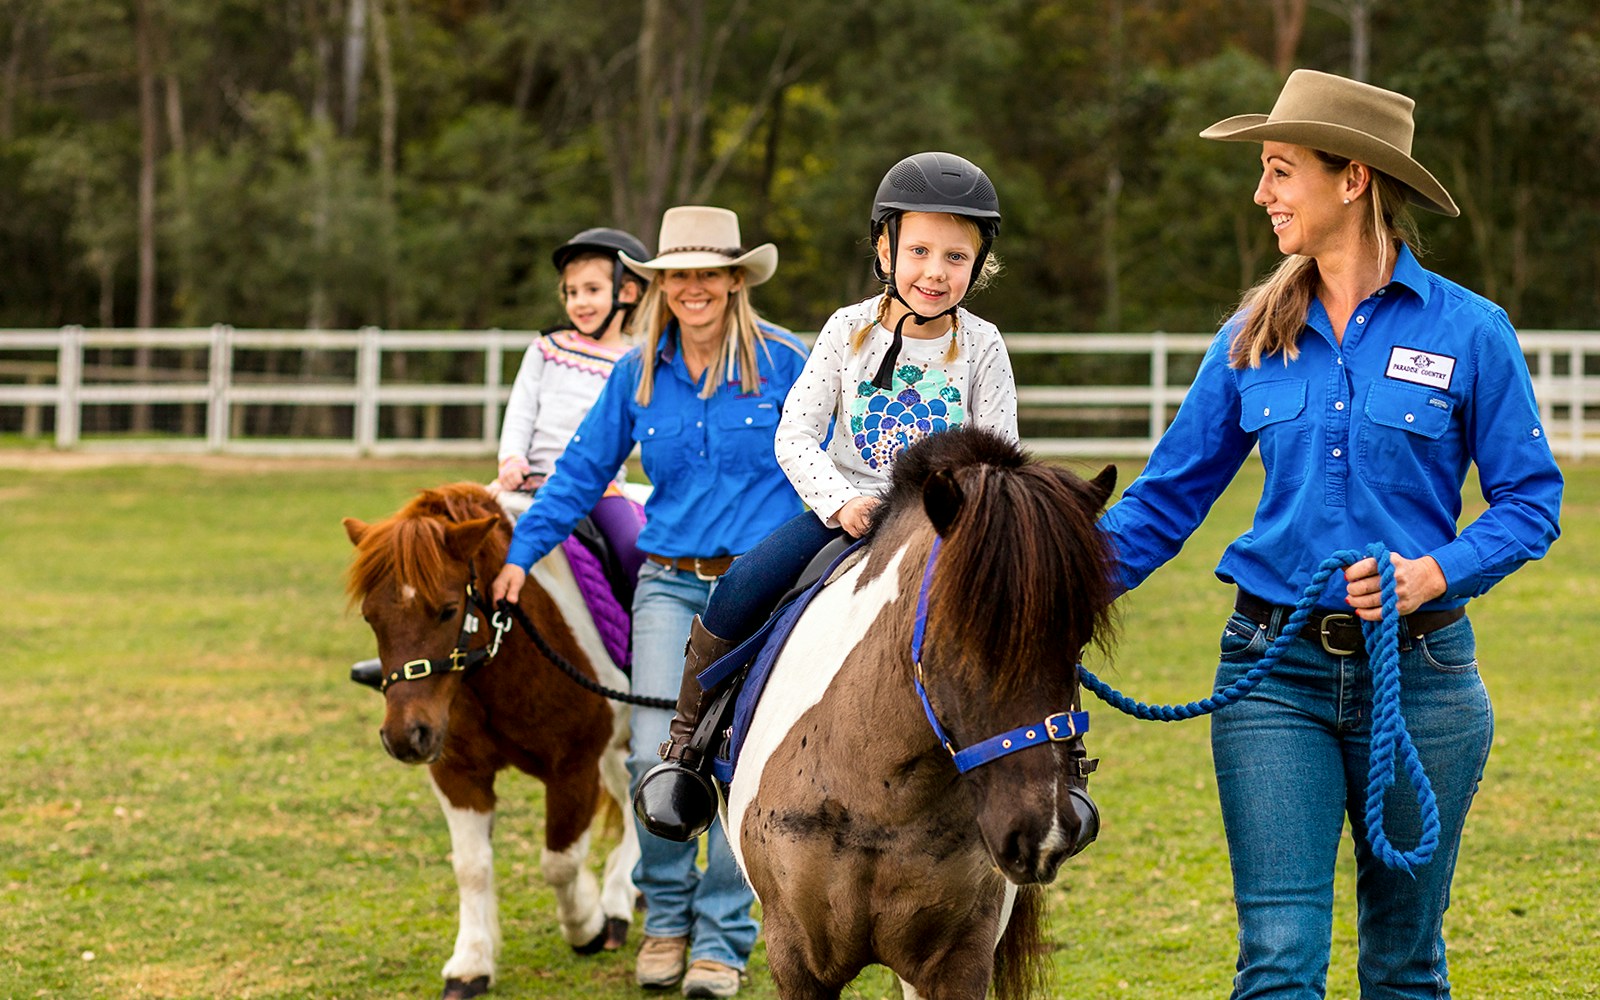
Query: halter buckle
x=1054 y=729
x=423 y=669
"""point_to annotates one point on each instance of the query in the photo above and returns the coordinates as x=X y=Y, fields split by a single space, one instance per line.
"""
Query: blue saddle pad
x=759 y=653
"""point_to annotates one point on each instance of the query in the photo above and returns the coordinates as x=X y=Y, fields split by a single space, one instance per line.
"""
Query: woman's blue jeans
x=711 y=907
x=1292 y=761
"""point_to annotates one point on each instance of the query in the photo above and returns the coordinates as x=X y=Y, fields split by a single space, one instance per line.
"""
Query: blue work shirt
x=717 y=487
x=1364 y=441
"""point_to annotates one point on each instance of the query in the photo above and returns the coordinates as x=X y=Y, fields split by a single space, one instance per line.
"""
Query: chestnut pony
x=863 y=841
x=468 y=701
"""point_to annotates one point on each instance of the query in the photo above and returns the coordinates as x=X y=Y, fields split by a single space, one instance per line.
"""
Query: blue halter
x=1054 y=728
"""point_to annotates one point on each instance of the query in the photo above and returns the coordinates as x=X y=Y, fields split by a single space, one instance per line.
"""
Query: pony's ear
x=464 y=539
x=355 y=530
x=942 y=499
x=1102 y=486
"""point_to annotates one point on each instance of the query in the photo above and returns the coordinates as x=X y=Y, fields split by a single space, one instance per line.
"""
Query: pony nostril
x=1020 y=852
x=421 y=738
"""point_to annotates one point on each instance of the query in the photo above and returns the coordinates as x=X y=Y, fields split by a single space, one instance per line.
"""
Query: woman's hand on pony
x=507 y=584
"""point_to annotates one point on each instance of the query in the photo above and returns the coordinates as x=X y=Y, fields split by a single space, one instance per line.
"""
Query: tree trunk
x=355 y=51
x=1288 y=24
x=389 y=114
x=8 y=79
x=1360 y=39
x=149 y=122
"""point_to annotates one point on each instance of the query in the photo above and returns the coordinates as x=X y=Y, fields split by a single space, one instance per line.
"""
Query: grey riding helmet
x=608 y=242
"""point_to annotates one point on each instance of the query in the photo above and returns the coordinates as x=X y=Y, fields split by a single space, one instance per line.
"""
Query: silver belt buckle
x=703 y=576
x=1327 y=643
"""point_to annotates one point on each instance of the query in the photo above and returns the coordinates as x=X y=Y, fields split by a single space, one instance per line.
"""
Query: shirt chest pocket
x=744 y=432
x=661 y=444
x=1275 y=413
x=1400 y=434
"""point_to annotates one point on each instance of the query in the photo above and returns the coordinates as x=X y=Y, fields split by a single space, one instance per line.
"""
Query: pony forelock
x=409 y=547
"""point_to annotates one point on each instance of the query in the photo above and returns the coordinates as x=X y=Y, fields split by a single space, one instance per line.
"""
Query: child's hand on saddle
x=507 y=584
x=1416 y=582
x=855 y=517
x=512 y=472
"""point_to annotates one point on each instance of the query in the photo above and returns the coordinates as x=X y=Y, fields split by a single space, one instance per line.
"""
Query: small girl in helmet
x=884 y=373
x=563 y=372
x=561 y=376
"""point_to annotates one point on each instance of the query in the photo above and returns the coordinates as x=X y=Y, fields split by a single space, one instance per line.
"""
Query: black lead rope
x=577 y=676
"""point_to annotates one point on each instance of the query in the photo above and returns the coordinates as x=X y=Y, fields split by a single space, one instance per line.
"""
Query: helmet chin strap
x=884 y=379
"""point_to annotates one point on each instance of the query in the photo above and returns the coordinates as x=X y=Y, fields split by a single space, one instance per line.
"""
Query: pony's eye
x=447 y=613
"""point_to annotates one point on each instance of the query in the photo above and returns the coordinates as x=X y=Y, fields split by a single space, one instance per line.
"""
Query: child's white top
x=871 y=425
x=561 y=376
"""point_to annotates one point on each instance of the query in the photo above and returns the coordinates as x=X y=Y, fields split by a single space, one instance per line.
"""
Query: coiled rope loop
x=1390 y=738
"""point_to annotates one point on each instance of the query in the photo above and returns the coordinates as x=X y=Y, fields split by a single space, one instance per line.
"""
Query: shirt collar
x=1409 y=273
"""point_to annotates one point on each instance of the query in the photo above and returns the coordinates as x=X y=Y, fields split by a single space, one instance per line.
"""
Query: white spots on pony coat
x=408 y=593
x=1055 y=839
x=577 y=894
x=830 y=629
x=472 y=853
x=554 y=574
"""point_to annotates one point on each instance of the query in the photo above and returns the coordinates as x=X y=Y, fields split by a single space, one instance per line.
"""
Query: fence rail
x=52 y=380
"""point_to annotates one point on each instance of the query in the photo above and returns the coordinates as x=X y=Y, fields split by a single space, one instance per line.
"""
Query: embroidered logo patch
x=1421 y=367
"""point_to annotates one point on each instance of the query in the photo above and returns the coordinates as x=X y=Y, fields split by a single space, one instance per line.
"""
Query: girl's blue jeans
x=1292 y=761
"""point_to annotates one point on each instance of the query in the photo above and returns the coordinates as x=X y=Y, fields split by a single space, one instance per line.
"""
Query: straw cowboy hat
x=1347 y=118
x=700 y=236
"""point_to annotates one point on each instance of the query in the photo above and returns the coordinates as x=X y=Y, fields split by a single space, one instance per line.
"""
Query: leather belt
x=704 y=567
x=1340 y=631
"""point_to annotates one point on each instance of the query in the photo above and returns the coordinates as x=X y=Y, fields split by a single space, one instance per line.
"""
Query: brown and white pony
x=415 y=575
x=863 y=842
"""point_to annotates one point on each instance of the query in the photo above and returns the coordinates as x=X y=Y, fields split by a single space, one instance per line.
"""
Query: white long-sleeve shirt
x=561 y=376
x=871 y=425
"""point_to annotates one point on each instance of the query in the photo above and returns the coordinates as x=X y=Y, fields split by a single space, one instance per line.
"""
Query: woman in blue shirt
x=701 y=397
x=1369 y=385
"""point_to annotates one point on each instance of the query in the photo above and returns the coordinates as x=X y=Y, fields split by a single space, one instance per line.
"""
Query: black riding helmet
x=929 y=182
x=607 y=242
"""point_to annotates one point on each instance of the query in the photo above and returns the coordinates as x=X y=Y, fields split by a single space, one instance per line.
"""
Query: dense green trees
x=409 y=163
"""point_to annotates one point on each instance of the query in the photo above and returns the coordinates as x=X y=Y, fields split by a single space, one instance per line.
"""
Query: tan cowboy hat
x=1347 y=118
x=701 y=236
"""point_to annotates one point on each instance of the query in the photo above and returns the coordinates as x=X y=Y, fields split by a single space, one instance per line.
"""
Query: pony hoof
x=613 y=935
x=616 y=933
x=463 y=989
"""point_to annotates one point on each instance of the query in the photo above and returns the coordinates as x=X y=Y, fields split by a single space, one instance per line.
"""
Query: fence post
x=219 y=404
x=493 y=369
x=69 y=380
x=1158 y=386
x=369 y=360
x=1575 y=374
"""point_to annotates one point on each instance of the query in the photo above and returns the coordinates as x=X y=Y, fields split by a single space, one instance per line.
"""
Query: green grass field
x=194 y=803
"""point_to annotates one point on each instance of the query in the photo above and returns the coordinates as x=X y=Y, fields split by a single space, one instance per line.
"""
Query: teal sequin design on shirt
x=886 y=421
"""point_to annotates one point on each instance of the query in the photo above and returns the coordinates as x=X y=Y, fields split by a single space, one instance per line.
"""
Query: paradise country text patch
x=1422 y=367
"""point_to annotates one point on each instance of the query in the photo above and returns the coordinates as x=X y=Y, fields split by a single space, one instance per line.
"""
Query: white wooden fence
x=45 y=371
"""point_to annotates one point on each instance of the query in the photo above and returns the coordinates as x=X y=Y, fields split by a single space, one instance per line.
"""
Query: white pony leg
x=577 y=892
x=617 y=894
x=472 y=854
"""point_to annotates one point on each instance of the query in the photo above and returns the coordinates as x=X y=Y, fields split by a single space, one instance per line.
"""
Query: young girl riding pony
x=884 y=373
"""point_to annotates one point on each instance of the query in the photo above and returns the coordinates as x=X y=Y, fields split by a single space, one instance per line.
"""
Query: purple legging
x=618 y=519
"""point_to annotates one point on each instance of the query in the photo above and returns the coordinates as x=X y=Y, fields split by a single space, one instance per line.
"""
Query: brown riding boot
x=675 y=800
x=702 y=650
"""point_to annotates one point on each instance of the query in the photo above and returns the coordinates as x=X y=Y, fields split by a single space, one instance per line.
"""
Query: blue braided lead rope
x=1390 y=738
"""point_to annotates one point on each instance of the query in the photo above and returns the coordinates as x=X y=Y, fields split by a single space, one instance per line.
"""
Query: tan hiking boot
x=660 y=963
x=706 y=978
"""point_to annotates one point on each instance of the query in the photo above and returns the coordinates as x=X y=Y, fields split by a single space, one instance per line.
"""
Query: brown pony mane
x=1024 y=576
x=408 y=547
